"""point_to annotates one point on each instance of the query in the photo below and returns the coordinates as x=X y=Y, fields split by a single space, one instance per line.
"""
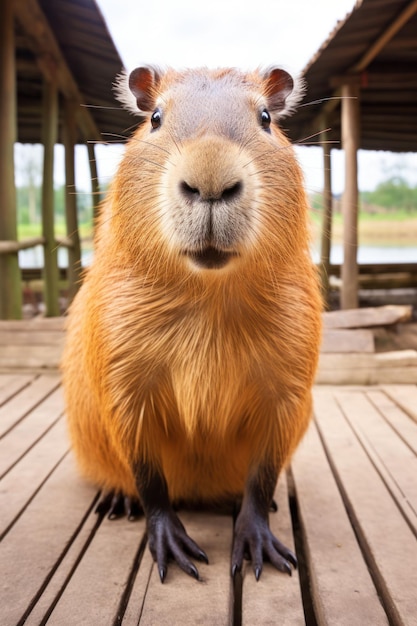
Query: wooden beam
x=14 y=246
x=350 y=144
x=384 y=38
x=10 y=290
x=347 y=340
x=326 y=227
x=95 y=186
x=50 y=130
x=52 y=62
x=368 y=317
x=74 y=252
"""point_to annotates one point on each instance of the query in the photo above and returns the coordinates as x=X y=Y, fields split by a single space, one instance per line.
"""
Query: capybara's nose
x=214 y=192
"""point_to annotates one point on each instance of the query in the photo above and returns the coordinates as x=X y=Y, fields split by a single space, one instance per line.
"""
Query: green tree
x=393 y=194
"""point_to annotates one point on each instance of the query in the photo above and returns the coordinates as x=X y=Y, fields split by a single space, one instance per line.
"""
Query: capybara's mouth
x=210 y=258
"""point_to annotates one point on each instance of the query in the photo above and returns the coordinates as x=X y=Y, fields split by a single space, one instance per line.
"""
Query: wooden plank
x=35 y=545
x=367 y=317
x=405 y=396
x=58 y=582
x=276 y=598
x=93 y=594
x=31 y=338
x=396 y=417
x=342 y=590
x=20 y=485
x=348 y=376
x=380 y=527
x=10 y=384
x=181 y=599
x=397 y=366
x=22 y=437
x=34 y=324
x=395 y=462
x=28 y=399
x=48 y=323
x=132 y=616
x=401 y=358
x=342 y=341
x=41 y=357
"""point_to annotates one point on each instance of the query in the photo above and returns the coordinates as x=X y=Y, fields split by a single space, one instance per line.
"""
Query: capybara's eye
x=156 y=119
x=265 y=119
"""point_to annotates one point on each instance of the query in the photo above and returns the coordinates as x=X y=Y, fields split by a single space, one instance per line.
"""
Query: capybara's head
x=209 y=180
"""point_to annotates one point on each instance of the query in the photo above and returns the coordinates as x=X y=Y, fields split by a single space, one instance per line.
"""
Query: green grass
x=399 y=228
x=26 y=231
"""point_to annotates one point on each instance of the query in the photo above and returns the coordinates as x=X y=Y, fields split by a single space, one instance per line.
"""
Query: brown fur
x=206 y=374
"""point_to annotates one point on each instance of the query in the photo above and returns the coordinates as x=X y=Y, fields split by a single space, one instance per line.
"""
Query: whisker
x=315 y=143
x=99 y=106
x=320 y=132
x=321 y=100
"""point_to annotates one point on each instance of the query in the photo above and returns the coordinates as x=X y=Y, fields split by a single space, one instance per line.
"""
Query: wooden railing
x=51 y=288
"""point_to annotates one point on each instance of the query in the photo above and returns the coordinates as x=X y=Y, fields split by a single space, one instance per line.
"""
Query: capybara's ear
x=137 y=91
x=143 y=83
x=281 y=91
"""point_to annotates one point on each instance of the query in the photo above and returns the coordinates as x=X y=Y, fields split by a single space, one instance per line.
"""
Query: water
x=368 y=254
x=33 y=257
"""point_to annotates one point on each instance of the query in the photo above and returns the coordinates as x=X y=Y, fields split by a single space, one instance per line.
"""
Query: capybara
x=193 y=341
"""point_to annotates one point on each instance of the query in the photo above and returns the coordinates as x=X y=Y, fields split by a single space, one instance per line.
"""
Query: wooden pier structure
x=347 y=505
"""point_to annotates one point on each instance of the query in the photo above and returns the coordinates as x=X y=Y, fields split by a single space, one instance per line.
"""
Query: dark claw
x=104 y=504
x=117 y=507
x=292 y=559
x=203 y=557
x=162 y=573
x=168 y=539
x=132 y=508
x=252 y=534
x=235 y=570
x=288 y=569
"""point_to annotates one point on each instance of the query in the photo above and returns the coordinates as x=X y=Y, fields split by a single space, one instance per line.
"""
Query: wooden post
x=326 y=228
x=95 y=187
x=50 y=127
x=74 y=252
x=350 y=143
x=10 y=284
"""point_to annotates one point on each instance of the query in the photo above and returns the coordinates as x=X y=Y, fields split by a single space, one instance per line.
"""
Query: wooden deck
x=348 y=505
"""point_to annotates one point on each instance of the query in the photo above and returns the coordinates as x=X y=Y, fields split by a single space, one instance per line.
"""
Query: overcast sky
x=221 y=32
x=245 y=34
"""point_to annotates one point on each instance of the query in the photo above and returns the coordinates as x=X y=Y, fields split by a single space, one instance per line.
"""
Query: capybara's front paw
x=168 y=539
x=254 y=538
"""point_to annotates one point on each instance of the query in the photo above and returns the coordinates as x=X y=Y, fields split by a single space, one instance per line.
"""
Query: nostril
x=232 y=192
x=211 y=194
x=188 y=191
